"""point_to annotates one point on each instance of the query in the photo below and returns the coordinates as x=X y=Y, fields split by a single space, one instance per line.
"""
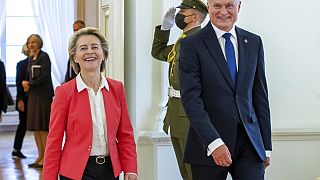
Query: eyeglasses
x=228 y=6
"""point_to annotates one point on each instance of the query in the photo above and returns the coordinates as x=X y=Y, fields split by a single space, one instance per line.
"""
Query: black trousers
x=21 y=131
x=94 y=171
x=246 y=164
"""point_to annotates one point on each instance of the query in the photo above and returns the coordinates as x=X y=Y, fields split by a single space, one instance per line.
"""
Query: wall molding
x=111 y=23
x=154 y=138
x=162 y=139
x=296 y=134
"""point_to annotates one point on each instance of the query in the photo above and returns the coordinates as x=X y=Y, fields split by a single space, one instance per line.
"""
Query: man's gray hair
x=237 y=1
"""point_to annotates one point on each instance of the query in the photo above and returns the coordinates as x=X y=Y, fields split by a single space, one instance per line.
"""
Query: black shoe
x=34 y=165
x=18 y=154
x=38 y=166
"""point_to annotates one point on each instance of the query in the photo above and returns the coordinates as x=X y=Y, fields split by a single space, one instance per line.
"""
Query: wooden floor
x=17 y=169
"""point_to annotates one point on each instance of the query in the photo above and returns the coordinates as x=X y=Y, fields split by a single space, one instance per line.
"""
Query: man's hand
x=222 y=156
x=21 y=105
x=130 y=177
x=266 y=163
x=168 y=19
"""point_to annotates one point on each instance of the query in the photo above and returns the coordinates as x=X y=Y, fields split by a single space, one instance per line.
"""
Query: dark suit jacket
x=21 y=75
x=70 y=74
x=211 y=102
x=2 y=86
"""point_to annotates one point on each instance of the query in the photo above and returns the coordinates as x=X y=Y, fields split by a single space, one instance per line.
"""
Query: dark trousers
x=246 y=164
x=94 y=171
x=21 y=131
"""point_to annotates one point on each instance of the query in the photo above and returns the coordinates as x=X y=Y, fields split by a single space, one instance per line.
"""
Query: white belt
x=173 y=93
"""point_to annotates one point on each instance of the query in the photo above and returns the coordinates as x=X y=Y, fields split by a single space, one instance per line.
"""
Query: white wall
x=142 y=74
x=291 y=39
x=295 y=156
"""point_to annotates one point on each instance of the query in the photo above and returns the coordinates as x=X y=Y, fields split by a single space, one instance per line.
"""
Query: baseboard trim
x=297 y=134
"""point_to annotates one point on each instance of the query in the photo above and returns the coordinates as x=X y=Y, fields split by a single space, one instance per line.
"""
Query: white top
x=98 y=114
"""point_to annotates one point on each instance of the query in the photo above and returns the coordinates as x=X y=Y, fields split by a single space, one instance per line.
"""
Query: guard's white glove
x=168 y=19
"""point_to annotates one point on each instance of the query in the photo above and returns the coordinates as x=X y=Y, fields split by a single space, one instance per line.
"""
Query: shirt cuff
x=218 y=142
x=214 y=145
x=268 y=153
x=132 y=173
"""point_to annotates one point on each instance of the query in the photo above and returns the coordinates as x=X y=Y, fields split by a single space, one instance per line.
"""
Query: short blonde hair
x=25 y=50
x=73 y=46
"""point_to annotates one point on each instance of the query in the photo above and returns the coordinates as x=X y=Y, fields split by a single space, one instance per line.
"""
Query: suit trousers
x=21 y=131
x=178 y=146
x=246 y=164
x=94 y=171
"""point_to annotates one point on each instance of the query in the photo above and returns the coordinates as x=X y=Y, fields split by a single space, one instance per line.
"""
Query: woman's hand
x=130 y=177
x=25 y=85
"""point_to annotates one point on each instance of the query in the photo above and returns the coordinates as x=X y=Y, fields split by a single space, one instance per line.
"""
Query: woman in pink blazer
x=92 y=112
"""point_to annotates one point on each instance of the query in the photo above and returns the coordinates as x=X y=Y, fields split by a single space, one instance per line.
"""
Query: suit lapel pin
x=245 y=40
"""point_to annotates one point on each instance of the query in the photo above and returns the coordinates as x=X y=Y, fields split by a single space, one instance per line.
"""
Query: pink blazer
x=70 y=113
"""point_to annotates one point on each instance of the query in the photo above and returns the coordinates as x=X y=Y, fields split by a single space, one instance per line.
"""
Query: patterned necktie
x=230 y=56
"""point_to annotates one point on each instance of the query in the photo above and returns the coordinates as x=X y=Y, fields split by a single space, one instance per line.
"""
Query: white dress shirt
x=222 y=41
x=98 y=114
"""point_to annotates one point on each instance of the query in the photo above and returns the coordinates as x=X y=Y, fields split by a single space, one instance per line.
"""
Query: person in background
x=70 y=74
x=91 y=111
x=189 y=18
x=224 y=93
x=40 y=93
x=3 y=86
x=21 y=105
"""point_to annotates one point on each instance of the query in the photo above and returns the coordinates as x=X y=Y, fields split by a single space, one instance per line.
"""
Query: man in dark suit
x=70 y=74
x=224 y=93
x=21 y=105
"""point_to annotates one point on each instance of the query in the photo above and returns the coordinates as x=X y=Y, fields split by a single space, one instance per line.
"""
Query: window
x=19 y=24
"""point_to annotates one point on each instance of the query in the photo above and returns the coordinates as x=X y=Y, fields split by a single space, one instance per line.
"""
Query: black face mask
x=180 y=21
